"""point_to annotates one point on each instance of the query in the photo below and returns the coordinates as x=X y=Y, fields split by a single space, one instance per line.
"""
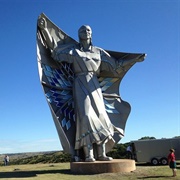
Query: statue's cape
x=57 y=79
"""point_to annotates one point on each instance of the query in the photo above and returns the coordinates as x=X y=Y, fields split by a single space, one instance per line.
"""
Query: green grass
x=62 y=171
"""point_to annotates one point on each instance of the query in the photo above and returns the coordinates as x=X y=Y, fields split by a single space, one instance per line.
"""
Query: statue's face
x=85 y=32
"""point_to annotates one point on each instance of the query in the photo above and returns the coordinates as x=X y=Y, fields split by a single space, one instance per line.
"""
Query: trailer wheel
x=164 y=161
x=154 y=161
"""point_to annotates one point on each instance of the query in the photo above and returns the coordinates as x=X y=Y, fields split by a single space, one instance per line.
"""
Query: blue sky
x=151 y=87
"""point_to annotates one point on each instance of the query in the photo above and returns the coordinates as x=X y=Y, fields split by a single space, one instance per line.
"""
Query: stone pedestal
x=114 y=166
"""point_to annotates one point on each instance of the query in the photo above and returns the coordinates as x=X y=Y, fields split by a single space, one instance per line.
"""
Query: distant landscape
x=36 y=157
x=118 y=152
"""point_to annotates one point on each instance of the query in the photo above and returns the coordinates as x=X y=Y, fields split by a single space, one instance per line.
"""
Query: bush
x=118 y=152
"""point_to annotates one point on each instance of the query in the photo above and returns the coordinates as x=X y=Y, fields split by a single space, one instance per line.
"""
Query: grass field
x=62 y=171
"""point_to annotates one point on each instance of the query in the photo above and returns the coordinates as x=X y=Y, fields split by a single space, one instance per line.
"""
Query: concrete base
x=114 y=166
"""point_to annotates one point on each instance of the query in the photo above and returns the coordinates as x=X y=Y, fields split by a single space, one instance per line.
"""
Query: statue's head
x=85 y=33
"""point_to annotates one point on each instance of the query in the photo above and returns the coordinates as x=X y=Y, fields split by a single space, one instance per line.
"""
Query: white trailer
x=155 y=151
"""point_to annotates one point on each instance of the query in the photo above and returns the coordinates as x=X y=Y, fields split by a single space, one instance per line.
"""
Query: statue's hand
x=42 y=23
x=140 y=58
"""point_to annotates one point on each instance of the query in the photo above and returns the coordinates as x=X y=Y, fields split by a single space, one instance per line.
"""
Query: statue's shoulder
x=97 y=48
x=101 y=51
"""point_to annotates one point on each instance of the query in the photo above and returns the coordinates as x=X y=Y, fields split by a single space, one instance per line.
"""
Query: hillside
x=119 y=151
x=37 y=157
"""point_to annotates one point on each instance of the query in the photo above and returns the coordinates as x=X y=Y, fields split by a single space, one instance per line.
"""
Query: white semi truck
x=155 y=151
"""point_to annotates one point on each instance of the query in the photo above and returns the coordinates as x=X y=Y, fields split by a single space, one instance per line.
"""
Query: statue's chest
x=89 y=55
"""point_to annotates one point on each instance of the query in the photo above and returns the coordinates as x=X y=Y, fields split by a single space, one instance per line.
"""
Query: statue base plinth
x=114 y=166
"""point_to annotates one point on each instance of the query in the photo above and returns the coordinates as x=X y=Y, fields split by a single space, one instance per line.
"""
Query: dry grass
x=62 y=171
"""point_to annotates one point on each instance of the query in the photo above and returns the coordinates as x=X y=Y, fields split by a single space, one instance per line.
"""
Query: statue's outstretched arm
x=123 y=63
x=51 y=43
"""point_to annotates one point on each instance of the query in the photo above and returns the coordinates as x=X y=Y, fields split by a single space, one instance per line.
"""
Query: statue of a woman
x=94 y=129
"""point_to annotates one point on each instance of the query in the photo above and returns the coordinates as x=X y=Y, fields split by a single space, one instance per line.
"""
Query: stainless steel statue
x=81 y=84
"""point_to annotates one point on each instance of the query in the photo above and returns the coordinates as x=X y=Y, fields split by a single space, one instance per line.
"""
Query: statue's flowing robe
x=93 y=125
x=82 y=90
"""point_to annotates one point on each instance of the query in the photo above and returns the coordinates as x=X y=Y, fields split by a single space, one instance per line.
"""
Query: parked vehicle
x=155 y=151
